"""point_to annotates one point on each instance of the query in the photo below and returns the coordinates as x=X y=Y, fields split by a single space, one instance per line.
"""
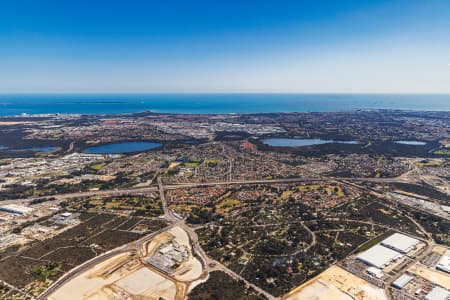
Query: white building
x=378 y=273
x=402 y=281
x=446 y=208
x=444 y=263
x=438 y=293
x=379 y=256
x=166 y=249
x=16 y=209
x=400 y=242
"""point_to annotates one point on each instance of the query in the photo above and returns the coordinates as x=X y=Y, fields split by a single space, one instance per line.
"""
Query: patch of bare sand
x=434 y=276
x=192 y=268
x=88 y=283
x=336 y=283
x=180 y=235
x=114 y=280
x=150 y=248
x=147 y=284
x=439 y=249
x=189 y=271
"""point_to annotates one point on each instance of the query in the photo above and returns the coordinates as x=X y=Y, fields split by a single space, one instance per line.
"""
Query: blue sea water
x=214 y=103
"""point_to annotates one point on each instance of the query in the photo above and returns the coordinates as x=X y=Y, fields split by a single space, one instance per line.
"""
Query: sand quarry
x=337 y=284
x=127 y=276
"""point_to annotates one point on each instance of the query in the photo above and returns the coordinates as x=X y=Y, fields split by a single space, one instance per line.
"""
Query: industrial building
x=444 y=263
x=402 y=281
x=446 y=208
x=438 y=293
x=400 y=242
x=379 y=256
x=378 y=273
x=16 y=209
x=169 y=256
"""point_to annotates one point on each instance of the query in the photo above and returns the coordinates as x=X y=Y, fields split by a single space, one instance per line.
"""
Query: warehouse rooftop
x=400 y=242
x=379 y=256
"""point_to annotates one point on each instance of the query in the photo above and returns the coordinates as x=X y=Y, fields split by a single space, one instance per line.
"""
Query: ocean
x=213 y=103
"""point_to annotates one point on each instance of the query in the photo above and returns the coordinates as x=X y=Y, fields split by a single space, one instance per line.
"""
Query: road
x=162 y=196
x=426 y=252
x=13 y=289
x=79 y=270
x=206 y=260
x=128 y=248
x=69 y=150
x=136 y=245
x=215 y=265
x=116 y=192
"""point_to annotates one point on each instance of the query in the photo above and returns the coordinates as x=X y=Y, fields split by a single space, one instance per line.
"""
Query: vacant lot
x=96 y=234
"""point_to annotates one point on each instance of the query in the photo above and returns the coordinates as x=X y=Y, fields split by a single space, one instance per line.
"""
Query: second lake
x=288 y=142
x=122 y=147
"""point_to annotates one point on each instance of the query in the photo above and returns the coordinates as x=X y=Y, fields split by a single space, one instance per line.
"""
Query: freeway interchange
x=175 y=220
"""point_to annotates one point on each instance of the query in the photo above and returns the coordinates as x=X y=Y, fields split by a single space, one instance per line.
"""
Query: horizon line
x=216 y=92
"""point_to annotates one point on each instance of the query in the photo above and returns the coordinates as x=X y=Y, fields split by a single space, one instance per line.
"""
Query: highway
x=208 y=263
x=135 y=246
x=116 y=192
x=128 y=248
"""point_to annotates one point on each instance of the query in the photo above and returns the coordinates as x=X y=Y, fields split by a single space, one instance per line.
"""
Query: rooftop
x=438 y=293
x=379 y=256
x=17 y=209
x=400 y=242
x=402 y=281
x=444 y=263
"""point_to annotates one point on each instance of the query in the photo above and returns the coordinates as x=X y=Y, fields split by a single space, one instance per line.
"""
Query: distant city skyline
x=232 y=46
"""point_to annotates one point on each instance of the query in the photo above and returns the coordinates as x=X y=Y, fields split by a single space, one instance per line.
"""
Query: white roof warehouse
x=16 y=209
x=438 y=293
x=379 y=256
x=388 y=250
x=444 y=263
x=400 y=242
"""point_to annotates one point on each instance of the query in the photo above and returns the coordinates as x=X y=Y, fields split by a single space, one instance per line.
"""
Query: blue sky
x=351 y=46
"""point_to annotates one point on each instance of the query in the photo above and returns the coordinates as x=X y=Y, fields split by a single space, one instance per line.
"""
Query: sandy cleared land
x=87 y=284
x=320 y=290
x=129 y=277
x=189 y=271
x=150 y=248
x=192 y=268
x=336 y=283
x=180 y=235
x=434 y=276
x=112 y=280
x=441 y=250
x=147 y=284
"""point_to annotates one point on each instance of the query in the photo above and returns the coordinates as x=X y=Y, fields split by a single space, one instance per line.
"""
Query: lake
x=411 y=143
x=34 y=149
x=290 y=142
x=122 y=147
x=39 y=149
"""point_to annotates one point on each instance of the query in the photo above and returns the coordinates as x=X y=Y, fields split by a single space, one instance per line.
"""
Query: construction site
x=163 y=267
